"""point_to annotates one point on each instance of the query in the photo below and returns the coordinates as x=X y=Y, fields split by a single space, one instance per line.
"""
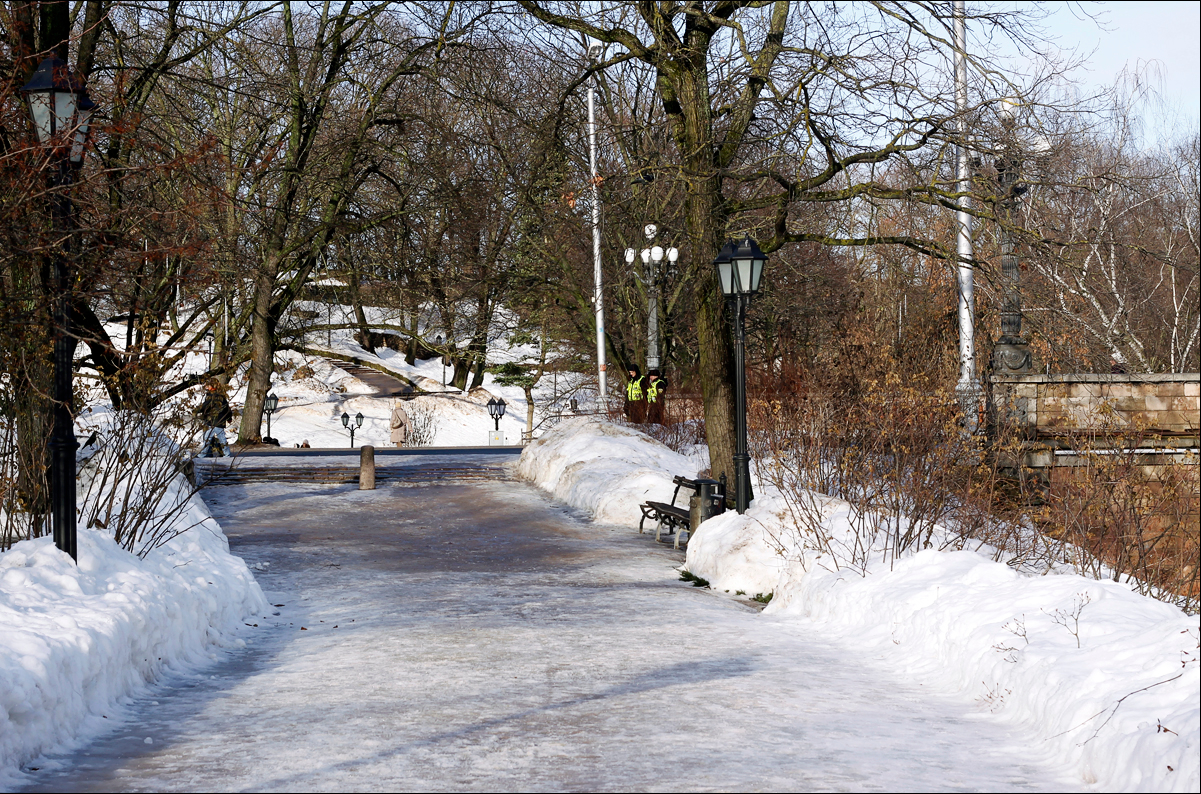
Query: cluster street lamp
x=496 y=409
x=61 y=112
x=358 y=422
x=651 y=257
x=739 y=270
x=269 y=406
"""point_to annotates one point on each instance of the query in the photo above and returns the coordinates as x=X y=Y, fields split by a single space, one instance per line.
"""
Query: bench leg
x=680 y=532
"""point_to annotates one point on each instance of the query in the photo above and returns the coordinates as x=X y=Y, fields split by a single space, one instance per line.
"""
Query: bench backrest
x=683 y=482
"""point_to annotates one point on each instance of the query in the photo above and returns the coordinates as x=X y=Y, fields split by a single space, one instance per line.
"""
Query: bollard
x=367 y=468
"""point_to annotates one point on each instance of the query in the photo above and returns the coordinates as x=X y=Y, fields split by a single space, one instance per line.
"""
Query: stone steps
x=337 y=475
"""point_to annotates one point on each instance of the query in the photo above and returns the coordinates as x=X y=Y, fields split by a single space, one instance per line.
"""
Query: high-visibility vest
x=654 y=388
x=634 y=390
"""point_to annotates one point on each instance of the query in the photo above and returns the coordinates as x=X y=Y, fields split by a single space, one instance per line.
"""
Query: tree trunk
x=360 y=315
x=262 y=354
x=706 y=225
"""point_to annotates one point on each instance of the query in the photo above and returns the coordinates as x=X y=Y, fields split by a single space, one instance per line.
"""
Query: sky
x=1162 y=37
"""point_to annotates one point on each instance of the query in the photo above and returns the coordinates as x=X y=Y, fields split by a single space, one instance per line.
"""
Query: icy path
x=479 y=637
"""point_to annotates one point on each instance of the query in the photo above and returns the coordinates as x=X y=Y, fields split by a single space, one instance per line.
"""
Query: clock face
x=650 y=230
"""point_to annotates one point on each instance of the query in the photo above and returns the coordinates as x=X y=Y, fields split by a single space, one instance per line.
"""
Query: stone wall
x=1049 y=406
x=1053 y=412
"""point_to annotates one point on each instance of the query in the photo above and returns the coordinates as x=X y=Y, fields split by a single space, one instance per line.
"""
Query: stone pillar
x=367 y=468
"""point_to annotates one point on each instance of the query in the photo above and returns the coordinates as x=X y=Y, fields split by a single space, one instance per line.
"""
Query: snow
x=77 y=641
x=1106 y=679
x=311 y=408
x=604 y=469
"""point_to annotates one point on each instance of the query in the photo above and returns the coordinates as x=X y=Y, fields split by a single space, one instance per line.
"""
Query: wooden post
x=367 y=468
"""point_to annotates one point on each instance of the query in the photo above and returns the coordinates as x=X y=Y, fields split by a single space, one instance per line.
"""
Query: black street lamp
x=61 y=112
x=358 y=422
x=269 y=406
x=496 y=409
x=739 y=270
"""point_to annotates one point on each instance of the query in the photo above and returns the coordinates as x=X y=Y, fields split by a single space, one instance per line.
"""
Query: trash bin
x=709 y=501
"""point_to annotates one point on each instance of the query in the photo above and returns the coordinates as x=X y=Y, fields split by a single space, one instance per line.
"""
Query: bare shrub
x=683 y=428
x=895 y=453
x=1127 y=513
x=135 y=476
x=911 y=479
x=423 y=422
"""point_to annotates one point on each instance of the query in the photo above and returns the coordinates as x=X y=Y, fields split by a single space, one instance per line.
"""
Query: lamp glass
x=757 y=272
x=358 y=419
x=725 y=268
x=345 y=419
x=725 y=272
x=83 y=121
x=500 y=406
x=646 y=255
x=657 y=253
x=64 y=110
x=272 y=403
x=673 y=254
x=43 y=119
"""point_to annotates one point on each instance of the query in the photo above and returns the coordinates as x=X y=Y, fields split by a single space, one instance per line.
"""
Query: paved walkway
x=479 y=637
x=385 y=385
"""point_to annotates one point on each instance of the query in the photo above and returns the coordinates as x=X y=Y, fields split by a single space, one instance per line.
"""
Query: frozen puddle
x=477 y=636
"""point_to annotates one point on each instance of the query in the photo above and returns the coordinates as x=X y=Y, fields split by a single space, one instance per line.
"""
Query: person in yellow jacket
x=656 y=396
x=635 y=405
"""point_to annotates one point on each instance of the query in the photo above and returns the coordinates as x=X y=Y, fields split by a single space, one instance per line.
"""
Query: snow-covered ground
x=310 y=409
x=76 y=642
x=1107 y=680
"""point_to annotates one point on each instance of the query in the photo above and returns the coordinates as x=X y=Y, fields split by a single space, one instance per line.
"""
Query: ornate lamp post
x=496 y=409
x=269 y=406
x=739 y=270
x=1011 y=354
x=358 y=422
x=61 y=112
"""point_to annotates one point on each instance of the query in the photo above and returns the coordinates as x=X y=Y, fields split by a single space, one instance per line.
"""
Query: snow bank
x=603 y=468
x=75 y=640
x=1107 y=678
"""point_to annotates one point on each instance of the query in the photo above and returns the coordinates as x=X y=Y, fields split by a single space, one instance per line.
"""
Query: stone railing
x=1054 y=412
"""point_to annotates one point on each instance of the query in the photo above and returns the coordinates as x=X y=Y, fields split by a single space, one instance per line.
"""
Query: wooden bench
x=675 y=519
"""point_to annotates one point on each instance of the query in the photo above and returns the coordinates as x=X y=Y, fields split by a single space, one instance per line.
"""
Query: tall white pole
x=597 y=298
x=968 y=388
